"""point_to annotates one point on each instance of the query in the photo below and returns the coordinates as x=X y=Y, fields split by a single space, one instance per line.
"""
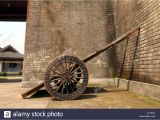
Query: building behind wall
x=10 y=59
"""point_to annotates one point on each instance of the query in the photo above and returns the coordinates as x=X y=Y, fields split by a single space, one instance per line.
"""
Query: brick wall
x=55 y=26
x=141 y=61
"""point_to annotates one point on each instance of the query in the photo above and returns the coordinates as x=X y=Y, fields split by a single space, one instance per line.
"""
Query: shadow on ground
x=40 y=94
x=96 y=90
x=86 y=95
x=91 y=90
x=89 y=93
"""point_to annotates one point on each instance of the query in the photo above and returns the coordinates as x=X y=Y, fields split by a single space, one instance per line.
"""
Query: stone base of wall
x=146 y=89
x=102 y=82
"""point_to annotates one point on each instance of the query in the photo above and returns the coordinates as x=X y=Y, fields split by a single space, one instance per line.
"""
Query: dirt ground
x=109 y=97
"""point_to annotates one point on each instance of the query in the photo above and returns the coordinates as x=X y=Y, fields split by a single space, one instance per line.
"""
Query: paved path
x=10 y=97
x=110 y=97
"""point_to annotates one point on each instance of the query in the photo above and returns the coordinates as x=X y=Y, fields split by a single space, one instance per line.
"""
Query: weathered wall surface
x=55 y=26
x=141 y=62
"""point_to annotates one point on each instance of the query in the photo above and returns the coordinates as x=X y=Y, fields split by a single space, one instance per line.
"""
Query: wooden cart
x=66 y=77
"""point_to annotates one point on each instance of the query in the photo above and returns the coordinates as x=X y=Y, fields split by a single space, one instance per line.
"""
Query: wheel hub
x=67 y=77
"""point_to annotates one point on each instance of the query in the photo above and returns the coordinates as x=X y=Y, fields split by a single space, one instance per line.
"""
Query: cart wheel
x=66 y=78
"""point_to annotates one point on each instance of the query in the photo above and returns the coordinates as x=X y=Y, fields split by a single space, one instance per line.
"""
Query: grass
x=10 y=76
x=12 y=73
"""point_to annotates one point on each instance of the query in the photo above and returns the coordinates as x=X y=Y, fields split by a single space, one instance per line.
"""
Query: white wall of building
x=0 y=67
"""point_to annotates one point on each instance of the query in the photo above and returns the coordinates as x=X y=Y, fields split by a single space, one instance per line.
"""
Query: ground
x=109 y=97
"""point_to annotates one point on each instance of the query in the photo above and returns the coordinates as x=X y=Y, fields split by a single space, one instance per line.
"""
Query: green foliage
x=3 y=74
x=20 y=73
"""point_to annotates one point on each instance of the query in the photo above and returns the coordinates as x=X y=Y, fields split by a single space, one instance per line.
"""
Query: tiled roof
x=7 y=47
x=11 y=55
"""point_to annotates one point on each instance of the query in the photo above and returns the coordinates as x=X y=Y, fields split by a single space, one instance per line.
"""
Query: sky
x=13 y=33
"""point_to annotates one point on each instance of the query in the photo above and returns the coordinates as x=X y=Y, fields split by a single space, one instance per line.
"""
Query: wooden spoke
x=66 y=66
x=59 y=86
x=78 y=77
x=76 y=69
x=78 y=73
x=69 y=64
x=62 y=88
x=75 y=80
x=60 y=70
x=55 y=72
x=54 y=79
x=73 y=65
x=55 y=84
x=63 y=67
